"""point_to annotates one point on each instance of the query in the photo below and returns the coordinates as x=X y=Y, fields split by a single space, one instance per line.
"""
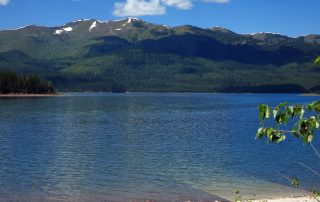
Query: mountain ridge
x=171 y=27
x=102 y=55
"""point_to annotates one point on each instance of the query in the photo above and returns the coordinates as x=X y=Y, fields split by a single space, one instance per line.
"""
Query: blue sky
x=290 y=17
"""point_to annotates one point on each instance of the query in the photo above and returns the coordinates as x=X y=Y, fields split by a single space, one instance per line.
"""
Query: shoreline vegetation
x=29 y=95
x=16 y=85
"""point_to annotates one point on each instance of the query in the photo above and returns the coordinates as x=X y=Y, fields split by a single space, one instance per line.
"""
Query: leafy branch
x=304 y=128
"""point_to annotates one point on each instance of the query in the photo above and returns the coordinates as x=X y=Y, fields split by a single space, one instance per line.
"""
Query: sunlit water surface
x=145 y=146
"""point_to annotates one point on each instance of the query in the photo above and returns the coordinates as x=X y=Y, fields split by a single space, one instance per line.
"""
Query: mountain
x=139 y=56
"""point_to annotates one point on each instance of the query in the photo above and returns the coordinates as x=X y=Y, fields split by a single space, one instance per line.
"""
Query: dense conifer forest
x=10 y=82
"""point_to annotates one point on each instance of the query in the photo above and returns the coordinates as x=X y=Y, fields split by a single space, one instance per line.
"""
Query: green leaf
x=310 y=138
x=268 y=112
x=275 y=112
x=260 y=133
x=317 y=61
x=304 y=139
x=282 y=138
x=264 y=112
x=317 y=125
x=303 y=127
x=301 y=113
x=269 y=132
x=282 y=105
x=298 y=110
x=316 y=106
x=310 y=106
x=282 y=118
x=290 y=111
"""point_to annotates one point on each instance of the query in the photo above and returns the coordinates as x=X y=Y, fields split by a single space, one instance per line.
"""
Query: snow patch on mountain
x=61 y=31
x=82 y=20
x=101 y=21
x=22 y=27
x=306 y=35
x=130 y=20
x=68 y=29
x=257 y=33
x=58 y=32
x=94 y=24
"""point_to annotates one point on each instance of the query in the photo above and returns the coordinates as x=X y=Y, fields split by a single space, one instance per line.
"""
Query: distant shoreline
x=28 y=95
x=129 y=92
x=309 y=94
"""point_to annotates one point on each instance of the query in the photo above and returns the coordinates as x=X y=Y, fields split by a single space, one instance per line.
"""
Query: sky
x=288 y=17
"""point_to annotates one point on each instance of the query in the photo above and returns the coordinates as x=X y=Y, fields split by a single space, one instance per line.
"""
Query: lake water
x=145 y=146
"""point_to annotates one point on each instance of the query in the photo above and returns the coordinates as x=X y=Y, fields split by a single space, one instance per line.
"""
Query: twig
x=304 y=165
x=315 y=150
x=286 y=131
x=285 y=177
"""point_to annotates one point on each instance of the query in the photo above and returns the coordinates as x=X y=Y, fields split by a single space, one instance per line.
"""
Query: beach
x=288 y=199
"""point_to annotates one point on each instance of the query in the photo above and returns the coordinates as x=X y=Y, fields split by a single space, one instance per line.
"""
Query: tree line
x=10 y=82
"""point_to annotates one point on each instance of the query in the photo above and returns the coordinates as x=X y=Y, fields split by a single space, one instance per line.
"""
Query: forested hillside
x=134 y=55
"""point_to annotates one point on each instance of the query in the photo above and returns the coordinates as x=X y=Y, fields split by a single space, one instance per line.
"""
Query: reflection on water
x=143 y=146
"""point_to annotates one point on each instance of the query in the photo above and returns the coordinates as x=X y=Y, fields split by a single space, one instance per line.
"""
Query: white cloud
x=139 y=8
x=4 y=2
x=180 y=4
x=154 y=7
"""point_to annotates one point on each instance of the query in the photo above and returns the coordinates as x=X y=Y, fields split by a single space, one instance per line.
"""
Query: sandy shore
x=29 y=95
x=289 y=199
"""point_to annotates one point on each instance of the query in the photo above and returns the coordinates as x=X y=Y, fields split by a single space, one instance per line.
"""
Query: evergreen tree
x=10 y=82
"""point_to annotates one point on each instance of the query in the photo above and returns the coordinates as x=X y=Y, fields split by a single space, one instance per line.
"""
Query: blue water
x=145 y=146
